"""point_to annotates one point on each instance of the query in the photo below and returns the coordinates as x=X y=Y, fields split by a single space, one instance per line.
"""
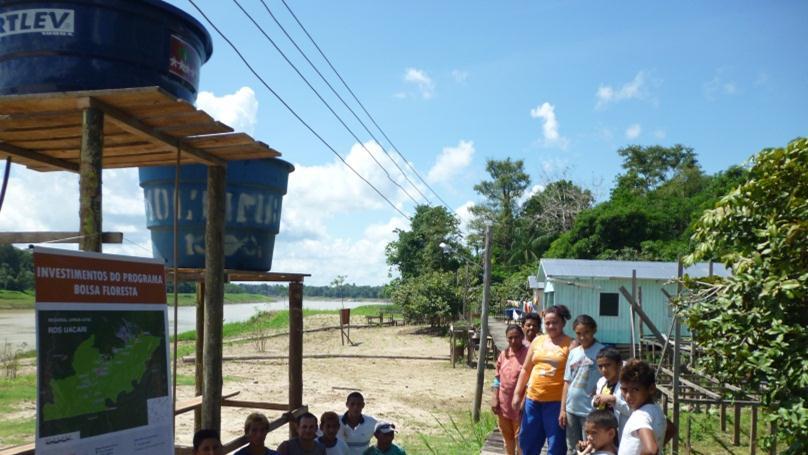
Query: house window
x=549 y=299
x=609 y=303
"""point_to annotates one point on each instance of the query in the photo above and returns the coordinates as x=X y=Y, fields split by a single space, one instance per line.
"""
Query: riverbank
x=17 y=300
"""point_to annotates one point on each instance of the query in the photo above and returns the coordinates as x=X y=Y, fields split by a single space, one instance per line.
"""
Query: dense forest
x=649 y=215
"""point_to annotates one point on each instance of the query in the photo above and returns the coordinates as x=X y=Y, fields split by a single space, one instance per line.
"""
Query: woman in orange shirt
x=543 y=376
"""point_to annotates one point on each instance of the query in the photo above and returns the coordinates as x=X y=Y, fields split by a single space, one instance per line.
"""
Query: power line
x=345 y=125
x=362 y=105
x=314 y=67
x=292 y=111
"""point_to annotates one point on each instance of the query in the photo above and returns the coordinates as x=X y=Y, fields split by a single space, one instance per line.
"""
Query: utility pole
x=478 y=393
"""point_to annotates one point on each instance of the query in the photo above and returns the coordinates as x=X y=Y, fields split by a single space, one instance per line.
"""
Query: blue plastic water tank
x=255 y=189
x=66 y=45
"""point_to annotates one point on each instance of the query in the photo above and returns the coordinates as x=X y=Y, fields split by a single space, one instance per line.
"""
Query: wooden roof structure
x=143 y=127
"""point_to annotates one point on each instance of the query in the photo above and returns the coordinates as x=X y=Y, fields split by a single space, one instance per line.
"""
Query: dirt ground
x=409 y=393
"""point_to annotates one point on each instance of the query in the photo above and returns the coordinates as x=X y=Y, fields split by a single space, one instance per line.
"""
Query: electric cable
x=277 y=48
x=334 y=91
x=362 y=105
x=292 y=111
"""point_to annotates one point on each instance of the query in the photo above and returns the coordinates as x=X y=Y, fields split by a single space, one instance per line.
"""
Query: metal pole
x=481 y=360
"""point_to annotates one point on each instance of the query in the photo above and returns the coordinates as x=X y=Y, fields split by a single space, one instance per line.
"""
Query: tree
x=649 y=167
x=753 y=325
x=419 y=250
x=338 y=283
x=431 y=298
x=500 y=207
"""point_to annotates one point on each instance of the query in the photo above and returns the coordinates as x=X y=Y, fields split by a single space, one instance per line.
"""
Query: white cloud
x=633 y=131
x=362 y=260
x=719 y=85
x=451 y=161
x=460 y=76
x=554 y=165
x=464 y=215
x=49 y=201
x=660 y=134
x=421 y=80
x=552 y=137
x=238 y=110
x=530 y=192
x=637 y=88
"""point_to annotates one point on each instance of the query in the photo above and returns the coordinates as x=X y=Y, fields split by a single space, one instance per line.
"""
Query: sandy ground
x=410 y=393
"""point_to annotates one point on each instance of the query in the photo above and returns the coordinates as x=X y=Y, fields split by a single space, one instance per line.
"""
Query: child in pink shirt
x=509 y=364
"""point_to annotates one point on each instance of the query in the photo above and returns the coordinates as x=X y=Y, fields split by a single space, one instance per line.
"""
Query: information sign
x=102 y=355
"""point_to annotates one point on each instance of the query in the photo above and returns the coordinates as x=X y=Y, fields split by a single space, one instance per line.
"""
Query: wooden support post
x=90 y=166
x=677 y=348
x=214 y=299
x=688 y=444
x=773 y=446
x=639 y=305
x=723 y=413
x=481 y=359
x=753 y=431
x=452 y=344
x=295 y=349
x=199 y=374
x=631 y=313
x=736 y=424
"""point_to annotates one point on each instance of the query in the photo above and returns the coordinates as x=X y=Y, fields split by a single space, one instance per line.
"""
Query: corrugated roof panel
x=622 y=269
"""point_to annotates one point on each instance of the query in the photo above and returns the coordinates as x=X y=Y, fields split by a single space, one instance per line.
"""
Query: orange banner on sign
x=76 y=277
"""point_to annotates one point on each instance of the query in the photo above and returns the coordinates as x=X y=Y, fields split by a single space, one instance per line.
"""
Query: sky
x=561 y=85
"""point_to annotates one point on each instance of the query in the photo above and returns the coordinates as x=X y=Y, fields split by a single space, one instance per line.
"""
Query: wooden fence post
x=736 y=435
x=199 y=374
x=753 y=431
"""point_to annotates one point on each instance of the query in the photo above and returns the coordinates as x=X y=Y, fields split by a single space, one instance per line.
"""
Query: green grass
x=459 y=435
x=17 y=431
x=14 y=391
x=277 y=320
x=706 y=436
x=16 y=300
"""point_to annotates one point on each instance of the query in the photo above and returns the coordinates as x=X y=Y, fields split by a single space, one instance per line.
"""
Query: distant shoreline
x=17 y=300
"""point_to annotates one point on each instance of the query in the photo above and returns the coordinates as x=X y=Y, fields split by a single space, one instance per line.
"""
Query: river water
x=18 y=326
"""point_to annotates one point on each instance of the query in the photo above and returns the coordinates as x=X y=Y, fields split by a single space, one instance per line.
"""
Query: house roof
x=587 y=268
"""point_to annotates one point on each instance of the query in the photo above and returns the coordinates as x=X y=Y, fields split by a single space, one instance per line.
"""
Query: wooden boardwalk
x=495 y=446
x=496 y=329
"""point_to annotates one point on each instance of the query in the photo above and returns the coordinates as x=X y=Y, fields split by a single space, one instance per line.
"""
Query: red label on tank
x=184 y=62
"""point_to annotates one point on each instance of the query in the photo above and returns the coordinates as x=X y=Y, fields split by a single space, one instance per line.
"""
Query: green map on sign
x=100 y=371
x=99 y=379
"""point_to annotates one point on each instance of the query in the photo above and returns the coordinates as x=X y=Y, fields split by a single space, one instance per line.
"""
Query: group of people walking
x=576 y=395
x=349 y=434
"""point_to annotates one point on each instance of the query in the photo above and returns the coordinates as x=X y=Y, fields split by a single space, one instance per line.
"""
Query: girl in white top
x=607 y=390
x=644 y=433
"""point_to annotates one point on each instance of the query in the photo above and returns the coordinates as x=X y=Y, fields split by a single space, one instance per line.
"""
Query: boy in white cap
x=384 y=432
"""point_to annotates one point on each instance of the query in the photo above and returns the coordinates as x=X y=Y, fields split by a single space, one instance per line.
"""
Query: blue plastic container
x=64 y=45
x=255 y=189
